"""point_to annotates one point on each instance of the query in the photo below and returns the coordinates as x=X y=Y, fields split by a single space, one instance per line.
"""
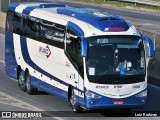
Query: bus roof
x=91 y=21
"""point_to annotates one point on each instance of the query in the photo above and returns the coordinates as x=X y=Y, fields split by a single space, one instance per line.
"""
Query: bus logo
x=102 y=87
x=45 y=51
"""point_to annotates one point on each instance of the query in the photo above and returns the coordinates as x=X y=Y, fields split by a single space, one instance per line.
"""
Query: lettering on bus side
x=102 y=87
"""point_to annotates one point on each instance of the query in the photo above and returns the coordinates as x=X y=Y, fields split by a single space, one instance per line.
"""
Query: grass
x=124 y=4
x=156 y=0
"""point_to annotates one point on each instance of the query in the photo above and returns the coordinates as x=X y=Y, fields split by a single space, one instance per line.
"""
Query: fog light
x=142 y=94
x=91 y=95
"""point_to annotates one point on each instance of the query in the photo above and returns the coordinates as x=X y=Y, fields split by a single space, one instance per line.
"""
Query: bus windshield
x=115 y=58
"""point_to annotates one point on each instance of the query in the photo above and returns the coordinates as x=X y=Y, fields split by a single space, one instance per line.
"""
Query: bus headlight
x=142 y=94
x=91 y=95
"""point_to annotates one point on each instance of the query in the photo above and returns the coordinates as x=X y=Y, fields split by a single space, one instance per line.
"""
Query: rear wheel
x=73 y=102
x=21 y=81
x=29 y=88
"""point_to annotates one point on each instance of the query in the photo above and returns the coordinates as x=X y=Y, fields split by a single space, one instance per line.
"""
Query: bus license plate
x=118 y=102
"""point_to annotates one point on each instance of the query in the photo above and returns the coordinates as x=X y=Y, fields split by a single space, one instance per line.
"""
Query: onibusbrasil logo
x=45 y=50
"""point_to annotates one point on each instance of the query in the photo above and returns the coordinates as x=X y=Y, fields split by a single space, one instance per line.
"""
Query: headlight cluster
x=91 y=95
x=142 y=94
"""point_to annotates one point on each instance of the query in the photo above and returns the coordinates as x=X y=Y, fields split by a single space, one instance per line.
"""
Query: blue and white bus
x=91 y=58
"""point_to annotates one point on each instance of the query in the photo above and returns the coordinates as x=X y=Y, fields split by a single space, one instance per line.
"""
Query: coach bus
x=93 y=59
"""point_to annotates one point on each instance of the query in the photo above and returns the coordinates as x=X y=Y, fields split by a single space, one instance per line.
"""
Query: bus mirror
x=150 y=45
x=84 y=47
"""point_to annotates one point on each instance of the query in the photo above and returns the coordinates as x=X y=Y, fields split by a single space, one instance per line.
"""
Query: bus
x=93 y=59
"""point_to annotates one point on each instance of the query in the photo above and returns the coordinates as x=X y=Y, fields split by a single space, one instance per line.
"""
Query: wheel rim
x=21 y=79
x=73 y=101
x=28 y=84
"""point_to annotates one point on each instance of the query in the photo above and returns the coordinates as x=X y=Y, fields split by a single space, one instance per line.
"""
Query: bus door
x=74 y=65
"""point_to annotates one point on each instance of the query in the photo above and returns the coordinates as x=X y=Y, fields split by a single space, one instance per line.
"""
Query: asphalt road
x=21 y=101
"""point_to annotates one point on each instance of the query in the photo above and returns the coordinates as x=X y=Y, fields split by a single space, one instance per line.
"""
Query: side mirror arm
x=84 y=47
x=150 y=45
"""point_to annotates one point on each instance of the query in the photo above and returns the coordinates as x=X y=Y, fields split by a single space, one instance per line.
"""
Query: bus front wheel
x=29 y=88
x=73 y=102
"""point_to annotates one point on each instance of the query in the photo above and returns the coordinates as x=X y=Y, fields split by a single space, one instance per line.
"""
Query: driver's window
x=73 y=50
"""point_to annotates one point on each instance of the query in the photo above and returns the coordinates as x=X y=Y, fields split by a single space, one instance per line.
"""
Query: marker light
x=118 y=102
x=142 y=94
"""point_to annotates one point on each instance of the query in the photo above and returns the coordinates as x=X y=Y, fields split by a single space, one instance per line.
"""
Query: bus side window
x=52 y=33
x=18 y=23
x=73 y=51
x=9 y=21
x=32 y=27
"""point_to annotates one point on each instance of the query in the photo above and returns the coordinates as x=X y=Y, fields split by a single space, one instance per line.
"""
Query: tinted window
x=18 y=23
x=110 y=58
x=73 y=50
x=32 y=27
x=52 y=33
x=9 y=19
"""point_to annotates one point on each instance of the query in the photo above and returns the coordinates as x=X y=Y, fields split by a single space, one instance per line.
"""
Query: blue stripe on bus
x=75 y=28
x=13 y=6
x=49 y=88
x=28 y=60
x=54 y=90
x=102 y=23
x=10 y=60
x=27 y=10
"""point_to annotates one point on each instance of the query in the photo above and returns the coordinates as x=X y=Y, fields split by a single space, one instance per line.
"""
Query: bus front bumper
x=105 y=102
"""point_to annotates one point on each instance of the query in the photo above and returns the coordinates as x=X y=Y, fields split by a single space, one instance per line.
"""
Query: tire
x=21 y=81
x=126 y=110
x=75 y=107
x=29 y=88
